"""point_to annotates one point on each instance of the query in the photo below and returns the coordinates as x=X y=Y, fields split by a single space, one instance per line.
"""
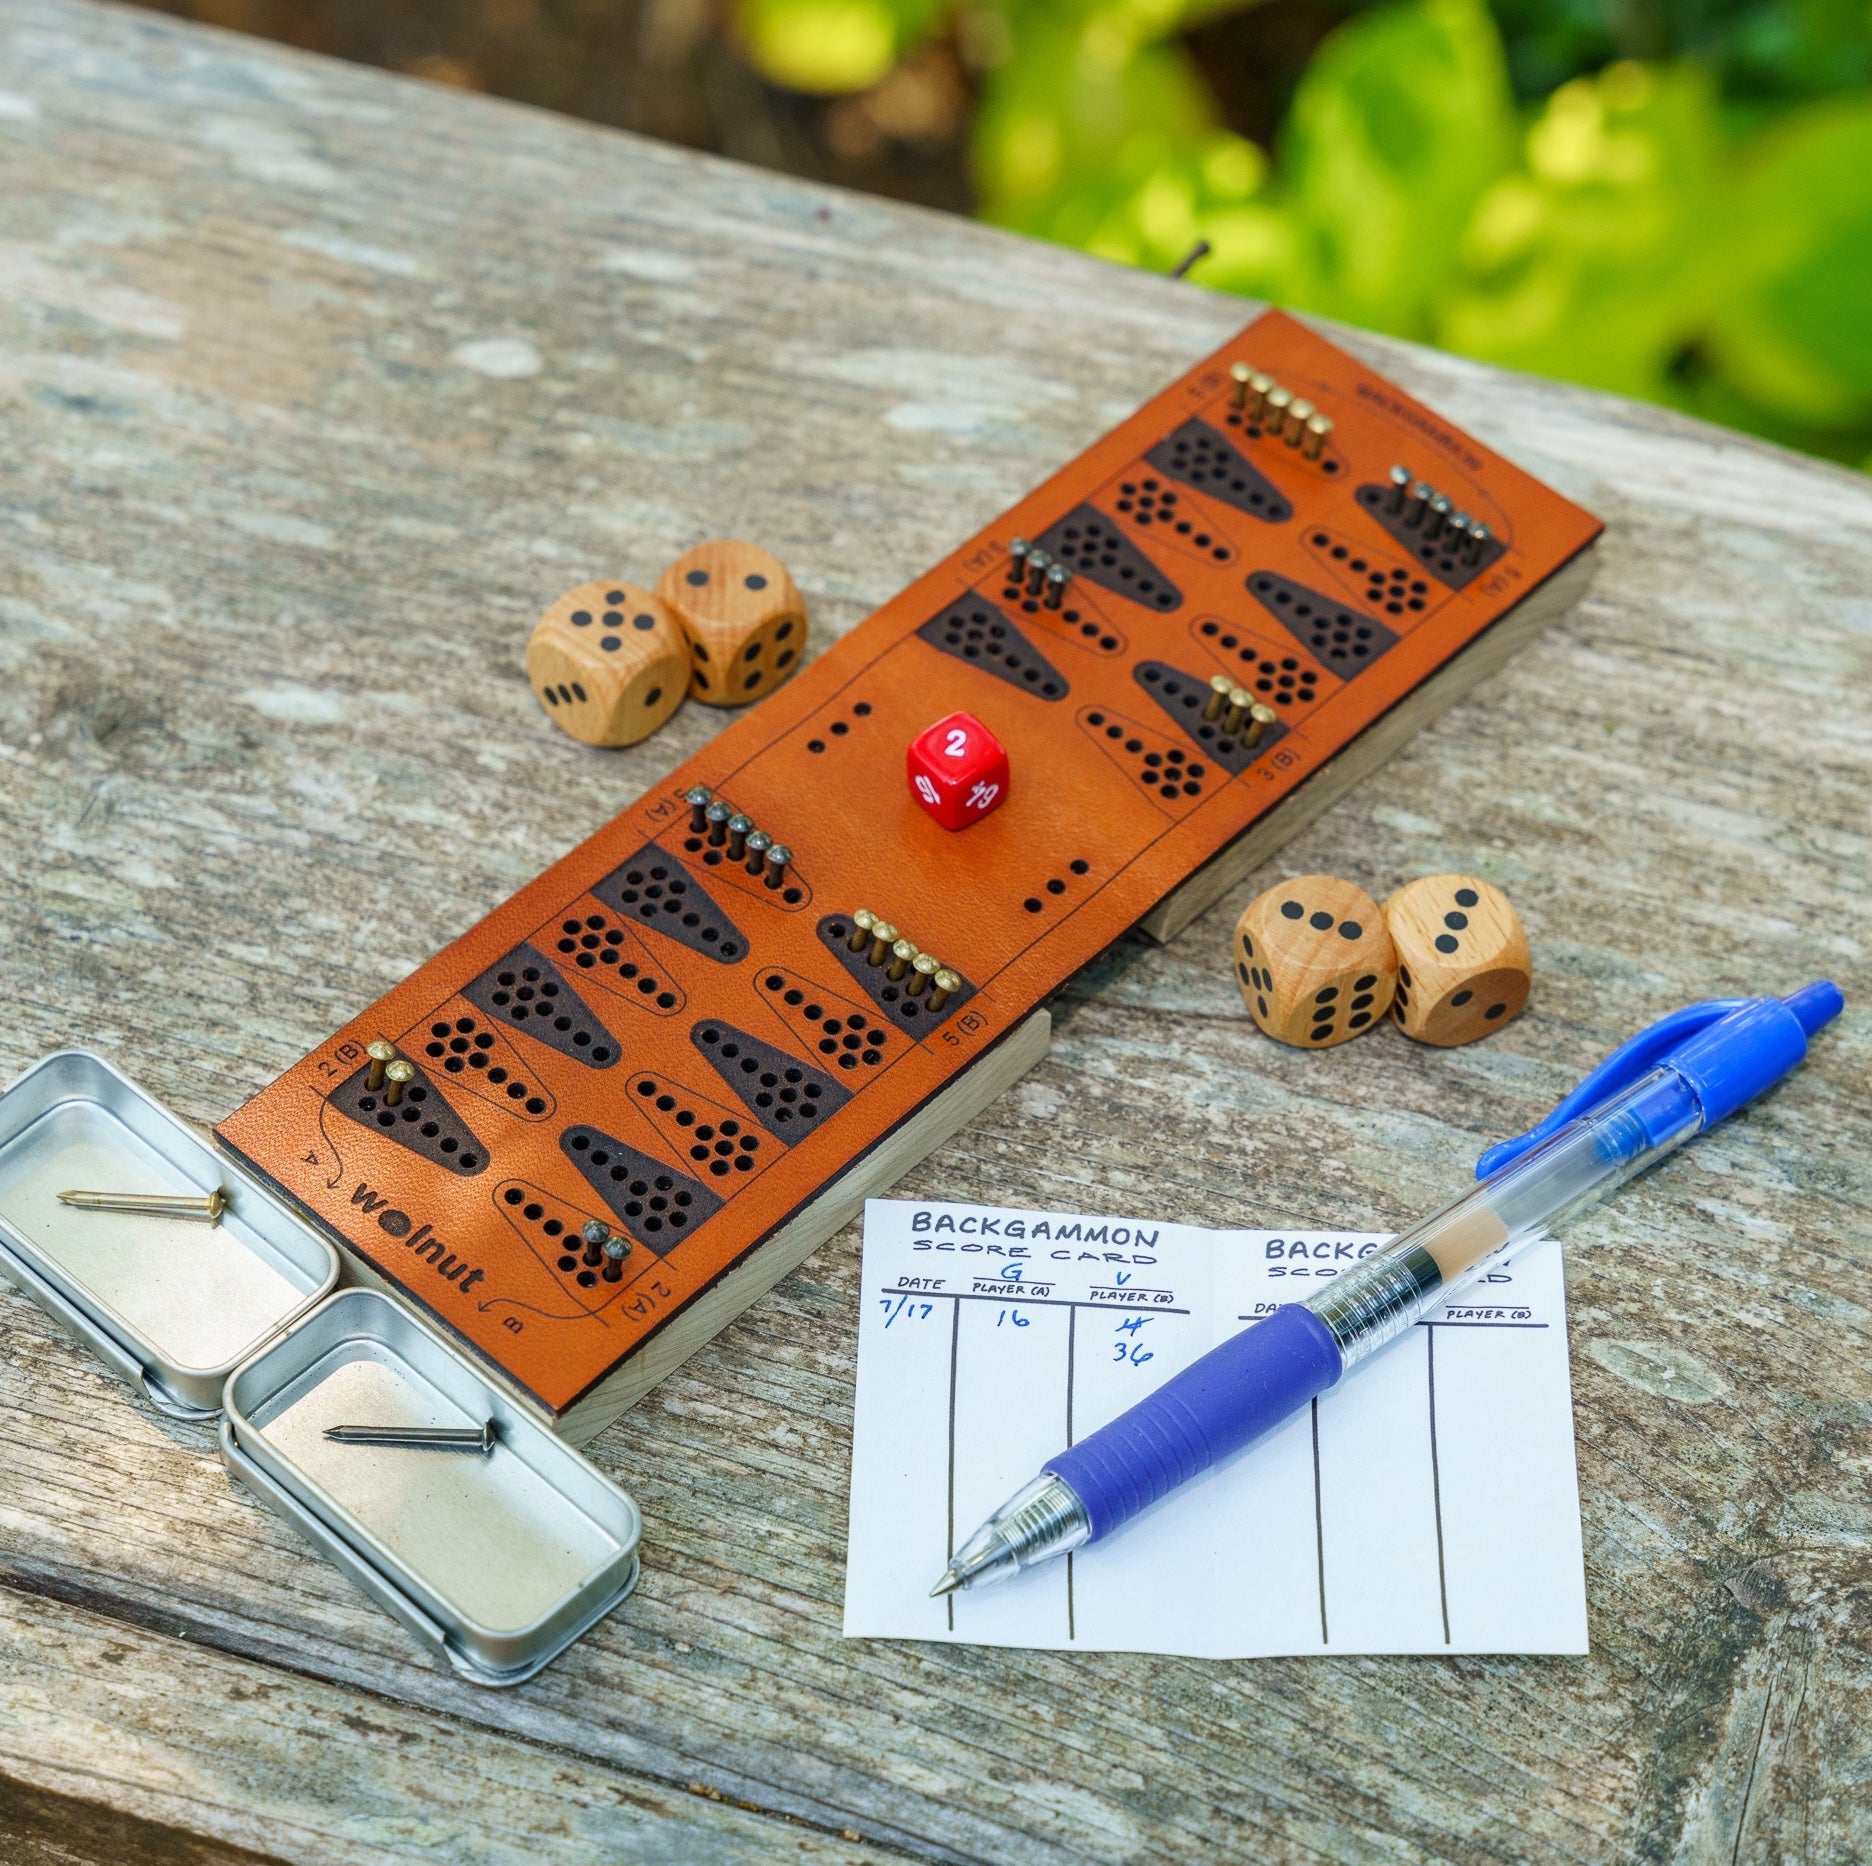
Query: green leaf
x=1594 y=261
x=831 y=45
x=1402 y=120
x=1793 y=327
x=1079 y=122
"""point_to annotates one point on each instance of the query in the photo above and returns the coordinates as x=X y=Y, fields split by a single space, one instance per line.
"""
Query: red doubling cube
x=958 y=770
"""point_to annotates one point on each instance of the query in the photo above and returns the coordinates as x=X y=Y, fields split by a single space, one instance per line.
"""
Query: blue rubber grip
x=1235 y=1394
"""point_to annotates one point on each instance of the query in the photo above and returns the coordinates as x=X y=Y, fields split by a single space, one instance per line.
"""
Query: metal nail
x=862 y=923
x=739 y=828
x=903 y=955
x=942 y=987
x=716 y=816
x=152 y=1204
x=757 y=851
x=1220 y=687
x=480 y=1439
x=778 y=857
x=397 y=1077
x=883 y=938
x=697 y=798
x=381 y=1055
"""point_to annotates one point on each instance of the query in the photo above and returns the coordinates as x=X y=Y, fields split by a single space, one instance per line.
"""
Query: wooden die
x=608 y=662
x=1314 y=961
x=1463 y=963
x=744 y=617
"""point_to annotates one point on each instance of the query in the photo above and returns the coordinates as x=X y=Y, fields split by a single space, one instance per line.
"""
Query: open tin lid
x=172 y=1305
x=497 y=1561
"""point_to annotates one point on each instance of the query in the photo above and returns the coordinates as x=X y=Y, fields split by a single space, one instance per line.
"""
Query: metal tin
x=171 y=1306
x=498 y=1563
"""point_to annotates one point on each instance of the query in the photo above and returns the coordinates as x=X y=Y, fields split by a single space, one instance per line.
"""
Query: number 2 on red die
x=958 y=770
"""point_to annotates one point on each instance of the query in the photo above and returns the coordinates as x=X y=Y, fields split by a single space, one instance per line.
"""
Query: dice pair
x=611 y=662
x=1318 y=960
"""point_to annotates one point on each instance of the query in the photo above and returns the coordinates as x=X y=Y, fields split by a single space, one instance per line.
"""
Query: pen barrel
x=1378 y=1299
x=1438 y=1258
x=1234 y=1395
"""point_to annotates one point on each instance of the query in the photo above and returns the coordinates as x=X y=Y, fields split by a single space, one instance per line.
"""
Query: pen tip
x=951 y=1580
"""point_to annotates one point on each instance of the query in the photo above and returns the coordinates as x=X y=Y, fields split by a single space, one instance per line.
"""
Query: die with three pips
x=1318 y=960
x=611 y=662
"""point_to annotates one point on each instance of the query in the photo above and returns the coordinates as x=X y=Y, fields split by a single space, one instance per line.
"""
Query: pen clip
x=1632 y=1059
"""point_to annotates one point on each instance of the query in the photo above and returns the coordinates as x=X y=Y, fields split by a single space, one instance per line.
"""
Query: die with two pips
x=1318 y=961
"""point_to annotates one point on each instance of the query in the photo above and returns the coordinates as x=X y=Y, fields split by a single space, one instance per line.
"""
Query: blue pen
x=1667 y=1084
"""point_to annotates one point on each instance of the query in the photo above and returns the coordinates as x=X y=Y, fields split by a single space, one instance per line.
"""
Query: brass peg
x=883 y=938
x=923 y=968
x=1299 y=413
x=862 y=923
x=381 y=1055
x=942 y=987
x=1240 y=375
x=1239 y=701
x=151 y=1204
x=1260 y=387
x=1275 y=407
x=903 y=956
x=1220 y=687
x=397 y=1077
x=1260 y=717
x=1317 y=429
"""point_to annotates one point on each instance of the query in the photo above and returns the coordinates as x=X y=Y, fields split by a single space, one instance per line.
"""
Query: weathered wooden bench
x=317 y=386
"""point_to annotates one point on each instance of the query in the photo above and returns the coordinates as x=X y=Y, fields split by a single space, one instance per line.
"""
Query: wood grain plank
x=198 y=1757
x=39 y=1829
x=318 y=386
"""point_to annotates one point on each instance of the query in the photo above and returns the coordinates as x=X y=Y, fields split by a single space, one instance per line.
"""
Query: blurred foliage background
x=1670 y=198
